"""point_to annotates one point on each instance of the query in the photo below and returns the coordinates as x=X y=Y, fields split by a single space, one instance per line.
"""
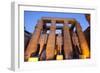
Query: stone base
x=33 y=59
x=59 y=57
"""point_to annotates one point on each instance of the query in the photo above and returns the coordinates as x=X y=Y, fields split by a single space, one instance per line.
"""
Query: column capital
x=65 y=28
x=65 y=22
x=53 y=21
x=53 y=24
x=39 y=24
x=39 y=27
x=78 y=26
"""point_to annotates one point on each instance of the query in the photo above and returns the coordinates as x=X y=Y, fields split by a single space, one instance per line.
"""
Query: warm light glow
x=86 y=53
x=33 y=59
x=59 y=57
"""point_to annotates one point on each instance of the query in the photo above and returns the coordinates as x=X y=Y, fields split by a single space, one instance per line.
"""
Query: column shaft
x=32 y=46
x=83 y=42
x=67 y=42
x=59 y=43
x=42 y=42
x=50 y=49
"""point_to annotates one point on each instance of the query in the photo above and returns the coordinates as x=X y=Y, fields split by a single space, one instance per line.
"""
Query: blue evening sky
x=31 y=18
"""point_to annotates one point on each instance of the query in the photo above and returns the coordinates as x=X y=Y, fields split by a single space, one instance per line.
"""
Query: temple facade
x=46 y=43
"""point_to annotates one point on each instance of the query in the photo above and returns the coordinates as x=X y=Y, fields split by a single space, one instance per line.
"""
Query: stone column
x=59 y=43
x=83 y=42
x=76 y=46
x=32 y=46
x=50 y=49
x=42 y=42
x=75 y=39
x=67 y=41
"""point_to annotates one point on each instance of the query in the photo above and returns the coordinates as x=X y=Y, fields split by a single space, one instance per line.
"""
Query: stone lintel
x=59 y=20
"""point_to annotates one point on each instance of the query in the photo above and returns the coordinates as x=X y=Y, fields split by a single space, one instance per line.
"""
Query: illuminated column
x=50 y=49
x=83 y=42
x=32 y=46
x=67 y=41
